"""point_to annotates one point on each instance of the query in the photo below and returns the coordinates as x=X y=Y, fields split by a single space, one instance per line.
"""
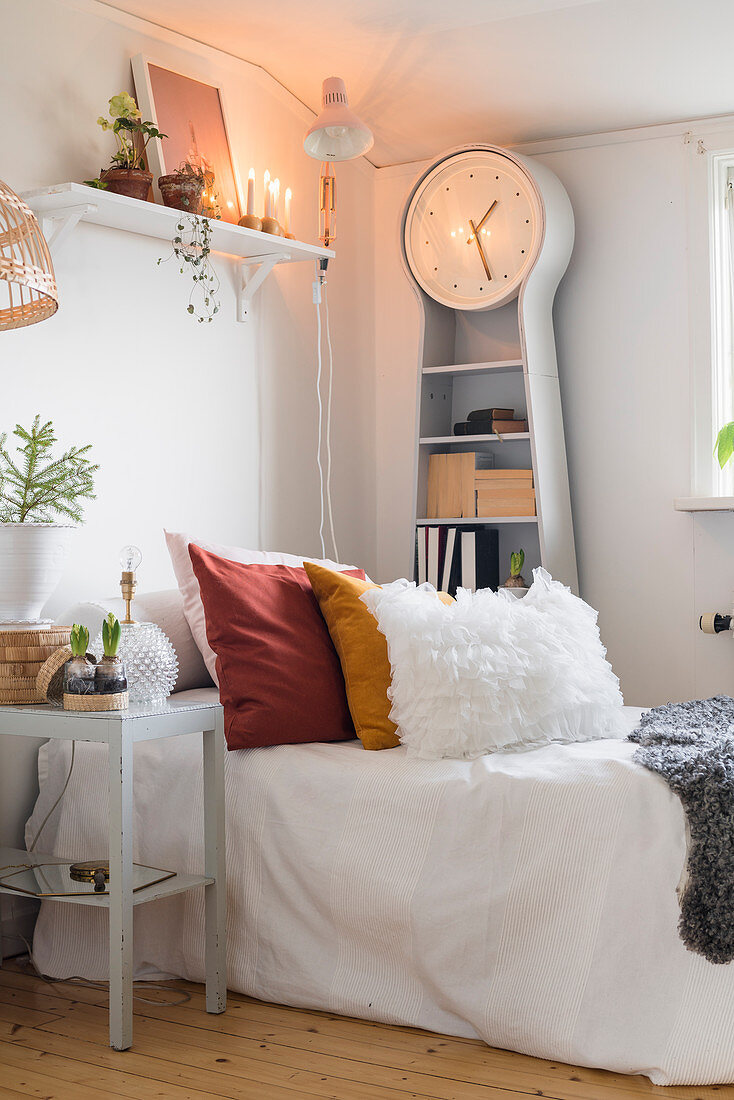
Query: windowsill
x=704 y=504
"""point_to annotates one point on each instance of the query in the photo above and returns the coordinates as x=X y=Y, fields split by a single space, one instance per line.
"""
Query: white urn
x=32 y=559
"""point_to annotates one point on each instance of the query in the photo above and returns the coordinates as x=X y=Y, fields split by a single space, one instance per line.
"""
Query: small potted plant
x=110 y=672
x=79 y=670
x=40 y=503
x=724 y=447
x=184 y=188
x=516 y=582
x=127 y=174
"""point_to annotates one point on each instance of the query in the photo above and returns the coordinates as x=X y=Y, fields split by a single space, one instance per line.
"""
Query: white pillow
x=178 y=548
x=491 y=672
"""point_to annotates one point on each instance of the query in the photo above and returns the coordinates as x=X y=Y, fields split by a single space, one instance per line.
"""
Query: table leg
x=121 y=887
x=214 y=867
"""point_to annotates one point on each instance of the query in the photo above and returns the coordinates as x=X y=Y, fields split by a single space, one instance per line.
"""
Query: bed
x=527 y=898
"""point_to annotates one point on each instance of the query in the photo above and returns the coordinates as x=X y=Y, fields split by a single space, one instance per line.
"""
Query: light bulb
x=130 y=558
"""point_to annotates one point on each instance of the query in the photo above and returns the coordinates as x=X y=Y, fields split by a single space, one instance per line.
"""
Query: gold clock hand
x=481 y=250
x=481 y=223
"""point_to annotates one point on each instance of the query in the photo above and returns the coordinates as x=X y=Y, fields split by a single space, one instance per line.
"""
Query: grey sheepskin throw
x=691 y=745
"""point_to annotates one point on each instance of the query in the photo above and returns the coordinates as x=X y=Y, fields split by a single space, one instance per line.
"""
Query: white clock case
x=535 y=299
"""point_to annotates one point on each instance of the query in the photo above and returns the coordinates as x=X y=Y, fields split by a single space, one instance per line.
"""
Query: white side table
x=120 y=731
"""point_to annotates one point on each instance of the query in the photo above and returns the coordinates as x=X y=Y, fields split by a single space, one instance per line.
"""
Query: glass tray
x=53 y=880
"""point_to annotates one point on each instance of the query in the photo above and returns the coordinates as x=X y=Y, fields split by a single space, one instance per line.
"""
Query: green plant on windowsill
x=724 y=447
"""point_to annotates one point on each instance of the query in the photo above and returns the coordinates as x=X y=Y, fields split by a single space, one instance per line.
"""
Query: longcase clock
x=487 y=236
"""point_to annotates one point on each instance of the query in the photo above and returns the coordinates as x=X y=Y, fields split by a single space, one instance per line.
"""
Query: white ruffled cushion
x=492 y=672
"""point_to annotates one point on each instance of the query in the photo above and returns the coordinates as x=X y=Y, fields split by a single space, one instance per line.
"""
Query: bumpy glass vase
x=151 y=665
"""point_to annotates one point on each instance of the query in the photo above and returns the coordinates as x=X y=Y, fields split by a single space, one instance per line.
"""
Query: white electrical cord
x=317 y=302
x=328 y=428
x=183 y=995
x=42 y=826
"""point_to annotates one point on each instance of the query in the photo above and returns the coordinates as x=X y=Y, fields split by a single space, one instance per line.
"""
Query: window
x=721 y=222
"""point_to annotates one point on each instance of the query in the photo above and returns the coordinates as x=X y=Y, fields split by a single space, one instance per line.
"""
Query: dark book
x=487 y=559
x=492 y=414
x=474 y=427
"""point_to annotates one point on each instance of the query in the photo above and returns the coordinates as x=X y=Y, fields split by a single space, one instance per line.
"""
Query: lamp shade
x=27 y=283
x=337 y=133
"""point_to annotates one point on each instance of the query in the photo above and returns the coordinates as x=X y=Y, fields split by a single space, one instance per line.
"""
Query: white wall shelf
x=61 y=207
x=704 y=504
x=501 y=366
x=429 y=440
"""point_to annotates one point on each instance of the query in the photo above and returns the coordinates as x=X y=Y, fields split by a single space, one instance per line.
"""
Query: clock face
x=472 y=230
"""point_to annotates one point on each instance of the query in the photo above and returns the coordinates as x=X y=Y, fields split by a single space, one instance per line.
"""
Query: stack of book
x=457 y=557
x=491 y=422
x=504 y=493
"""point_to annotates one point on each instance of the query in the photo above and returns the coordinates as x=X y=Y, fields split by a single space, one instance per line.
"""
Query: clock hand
x=481 y=250
x=481 y=223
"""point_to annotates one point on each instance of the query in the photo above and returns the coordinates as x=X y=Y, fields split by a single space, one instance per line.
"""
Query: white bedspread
x=527 y=898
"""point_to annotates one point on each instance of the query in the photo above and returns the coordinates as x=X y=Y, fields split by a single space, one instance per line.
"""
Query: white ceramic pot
x=32 y=559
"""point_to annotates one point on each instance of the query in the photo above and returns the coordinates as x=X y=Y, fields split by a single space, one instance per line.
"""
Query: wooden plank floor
x=53 y=1044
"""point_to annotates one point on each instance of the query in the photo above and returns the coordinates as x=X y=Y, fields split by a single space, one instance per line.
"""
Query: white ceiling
x=429 y=74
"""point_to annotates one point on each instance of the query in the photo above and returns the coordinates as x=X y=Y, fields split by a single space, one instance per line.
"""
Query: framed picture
x=191 y=113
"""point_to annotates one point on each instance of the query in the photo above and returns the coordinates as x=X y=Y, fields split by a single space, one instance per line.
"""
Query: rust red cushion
x=280 y=678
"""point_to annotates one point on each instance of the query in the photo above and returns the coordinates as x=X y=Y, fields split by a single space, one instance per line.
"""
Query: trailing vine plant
x=192 y=249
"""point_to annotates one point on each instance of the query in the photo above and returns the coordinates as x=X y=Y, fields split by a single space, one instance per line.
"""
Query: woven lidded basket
x=50 y=678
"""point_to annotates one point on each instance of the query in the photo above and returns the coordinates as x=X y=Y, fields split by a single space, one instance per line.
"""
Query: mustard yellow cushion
x=362 y=650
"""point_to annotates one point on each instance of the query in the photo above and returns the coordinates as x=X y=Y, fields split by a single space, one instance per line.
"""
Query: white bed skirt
x=529 y=898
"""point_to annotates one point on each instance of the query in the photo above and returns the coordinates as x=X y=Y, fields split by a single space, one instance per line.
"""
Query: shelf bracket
x=57 y=225
x=250 y=282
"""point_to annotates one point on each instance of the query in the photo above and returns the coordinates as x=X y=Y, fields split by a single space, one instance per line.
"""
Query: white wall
x=206 y=428
x=622 y=323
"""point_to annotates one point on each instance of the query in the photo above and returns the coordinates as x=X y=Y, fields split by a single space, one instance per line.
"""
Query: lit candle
x=276 y=198
x=266 y=193
x=288 y=197
x=251 y=192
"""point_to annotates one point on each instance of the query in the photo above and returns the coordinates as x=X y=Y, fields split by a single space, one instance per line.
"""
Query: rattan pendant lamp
x=27 y=284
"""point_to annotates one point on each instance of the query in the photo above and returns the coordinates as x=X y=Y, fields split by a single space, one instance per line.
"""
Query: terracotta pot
x=182 y=192
x=133 y=182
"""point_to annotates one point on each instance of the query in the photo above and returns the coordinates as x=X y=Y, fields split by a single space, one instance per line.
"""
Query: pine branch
x=40 y=487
